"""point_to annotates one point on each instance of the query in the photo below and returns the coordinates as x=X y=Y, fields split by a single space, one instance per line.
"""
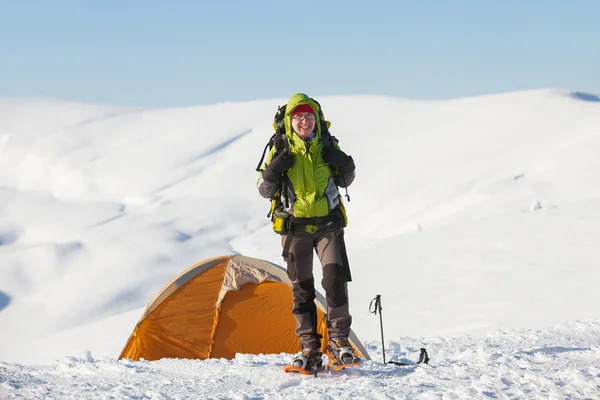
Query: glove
x=340 y=159
x=278 y=165
x=335 y=157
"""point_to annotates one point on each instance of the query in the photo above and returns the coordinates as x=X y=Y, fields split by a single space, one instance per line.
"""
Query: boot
x=309 y=360
x=343 y=351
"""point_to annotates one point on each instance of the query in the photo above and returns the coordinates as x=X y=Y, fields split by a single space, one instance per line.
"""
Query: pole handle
x=375 y=305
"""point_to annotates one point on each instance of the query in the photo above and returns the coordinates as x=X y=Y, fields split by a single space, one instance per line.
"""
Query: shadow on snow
x=585 y=96
x=4 y=300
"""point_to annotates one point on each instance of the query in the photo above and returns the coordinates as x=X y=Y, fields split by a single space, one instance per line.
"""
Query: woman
x=310 y=173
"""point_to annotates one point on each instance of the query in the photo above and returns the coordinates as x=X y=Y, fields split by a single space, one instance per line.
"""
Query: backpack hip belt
x=311 y=225
x=337 y=218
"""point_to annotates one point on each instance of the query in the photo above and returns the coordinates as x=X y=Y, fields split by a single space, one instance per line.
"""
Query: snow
x=562 y=362
x=476 y=219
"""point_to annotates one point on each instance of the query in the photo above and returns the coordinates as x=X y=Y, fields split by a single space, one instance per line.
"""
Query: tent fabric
x=240 y=271
x=220 y=307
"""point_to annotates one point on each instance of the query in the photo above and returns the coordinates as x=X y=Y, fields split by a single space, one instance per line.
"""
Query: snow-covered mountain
x=476 y=219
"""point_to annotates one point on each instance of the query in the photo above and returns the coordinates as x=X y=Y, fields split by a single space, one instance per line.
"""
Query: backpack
x=280 y=141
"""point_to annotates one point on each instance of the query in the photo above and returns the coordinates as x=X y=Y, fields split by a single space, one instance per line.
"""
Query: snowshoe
x=308 y=362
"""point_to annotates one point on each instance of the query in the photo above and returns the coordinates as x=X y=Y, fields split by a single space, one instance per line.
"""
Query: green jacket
x=312 y=188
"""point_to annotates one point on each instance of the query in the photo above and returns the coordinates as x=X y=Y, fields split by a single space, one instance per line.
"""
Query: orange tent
x=220 y=307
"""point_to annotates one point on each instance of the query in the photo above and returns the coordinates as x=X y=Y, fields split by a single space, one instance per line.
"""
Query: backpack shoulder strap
x=326 y=137
x=328 y=141
x=279 y=120
x=278 y=139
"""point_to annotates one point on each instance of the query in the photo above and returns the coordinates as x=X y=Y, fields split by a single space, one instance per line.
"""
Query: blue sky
x=180 y=53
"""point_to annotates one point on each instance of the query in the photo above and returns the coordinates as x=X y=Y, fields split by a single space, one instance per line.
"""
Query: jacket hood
x=296 y=100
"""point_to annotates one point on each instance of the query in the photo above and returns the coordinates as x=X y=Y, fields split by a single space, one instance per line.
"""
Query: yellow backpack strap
x=273 y=206
x=343 y=212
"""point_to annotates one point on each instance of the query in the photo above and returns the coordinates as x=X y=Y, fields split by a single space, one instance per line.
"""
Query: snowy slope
x=467 y=216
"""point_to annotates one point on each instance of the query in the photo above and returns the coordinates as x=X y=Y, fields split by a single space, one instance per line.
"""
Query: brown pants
x=328 y=246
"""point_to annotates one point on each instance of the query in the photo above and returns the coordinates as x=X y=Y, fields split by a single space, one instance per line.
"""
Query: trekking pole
x=374 y=308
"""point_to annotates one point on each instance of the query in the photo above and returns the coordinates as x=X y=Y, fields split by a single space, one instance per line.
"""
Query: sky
x=183 y=53
x=475 y=219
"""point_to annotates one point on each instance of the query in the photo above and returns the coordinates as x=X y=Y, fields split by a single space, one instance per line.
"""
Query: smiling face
x=303 y=124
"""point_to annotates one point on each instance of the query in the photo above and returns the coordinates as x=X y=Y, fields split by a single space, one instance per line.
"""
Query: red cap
x=303 y=108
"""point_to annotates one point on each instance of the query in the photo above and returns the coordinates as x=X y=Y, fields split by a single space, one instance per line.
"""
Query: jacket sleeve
x=345 y=176
x=265 y=188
